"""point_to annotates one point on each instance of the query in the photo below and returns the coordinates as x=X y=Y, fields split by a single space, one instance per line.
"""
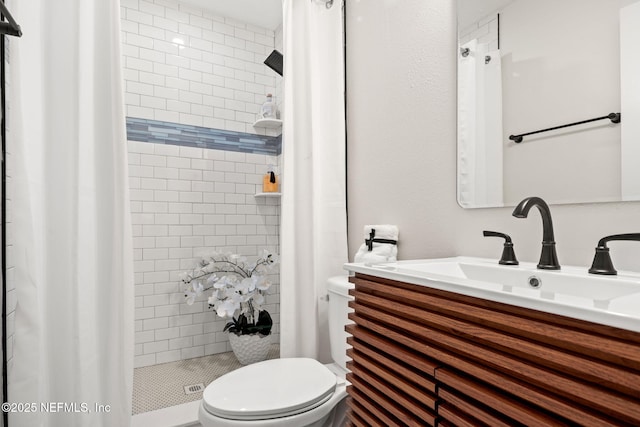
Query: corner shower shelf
x=268 y=123
x=268 y=195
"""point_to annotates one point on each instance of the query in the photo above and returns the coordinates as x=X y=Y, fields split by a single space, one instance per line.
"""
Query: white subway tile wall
x=485 y=30
x=187 y=202
x=186 y=65
x=189 y=66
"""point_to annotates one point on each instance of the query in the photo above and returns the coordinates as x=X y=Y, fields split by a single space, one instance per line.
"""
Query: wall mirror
x=530 y=65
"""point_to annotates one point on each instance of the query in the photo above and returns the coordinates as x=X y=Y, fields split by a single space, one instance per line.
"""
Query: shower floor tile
x=162 y=386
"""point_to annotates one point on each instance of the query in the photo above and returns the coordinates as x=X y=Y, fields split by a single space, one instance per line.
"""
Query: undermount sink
x=571 y=291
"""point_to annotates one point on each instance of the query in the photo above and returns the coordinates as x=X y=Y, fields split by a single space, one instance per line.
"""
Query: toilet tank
x=339 y=298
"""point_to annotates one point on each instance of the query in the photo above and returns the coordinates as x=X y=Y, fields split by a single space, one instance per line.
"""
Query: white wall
x=401 y=84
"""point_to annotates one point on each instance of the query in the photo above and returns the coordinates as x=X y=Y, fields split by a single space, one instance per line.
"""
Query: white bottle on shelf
x=268 y=109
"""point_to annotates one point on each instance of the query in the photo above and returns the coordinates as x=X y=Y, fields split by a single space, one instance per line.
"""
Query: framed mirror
x=561 y=74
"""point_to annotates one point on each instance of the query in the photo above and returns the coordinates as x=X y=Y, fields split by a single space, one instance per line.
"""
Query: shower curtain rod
x=10 y=28
x=614 y=117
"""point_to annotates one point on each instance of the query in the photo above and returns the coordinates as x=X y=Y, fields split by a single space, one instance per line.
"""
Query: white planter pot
x=250 y=348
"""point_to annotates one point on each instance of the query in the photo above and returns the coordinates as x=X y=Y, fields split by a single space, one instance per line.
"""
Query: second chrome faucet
x=548 y=256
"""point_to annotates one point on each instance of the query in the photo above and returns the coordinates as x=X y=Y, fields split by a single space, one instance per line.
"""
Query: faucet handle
x=508 y=254
x=602 y=263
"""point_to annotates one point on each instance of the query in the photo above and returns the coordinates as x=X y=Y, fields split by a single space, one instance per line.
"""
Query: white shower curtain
x=480 y=135
x=73 y=342
x=313 y=232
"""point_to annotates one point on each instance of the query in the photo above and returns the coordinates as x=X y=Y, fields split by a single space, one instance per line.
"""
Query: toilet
x=290 y=392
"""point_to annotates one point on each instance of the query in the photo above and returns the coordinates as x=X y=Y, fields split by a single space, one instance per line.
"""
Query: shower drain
x=193 y=388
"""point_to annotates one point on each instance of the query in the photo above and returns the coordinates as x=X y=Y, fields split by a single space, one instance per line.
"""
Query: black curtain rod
x=10 y=28
x=614 y=117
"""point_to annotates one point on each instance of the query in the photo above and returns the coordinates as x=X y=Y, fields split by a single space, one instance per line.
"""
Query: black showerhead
x=274 y=61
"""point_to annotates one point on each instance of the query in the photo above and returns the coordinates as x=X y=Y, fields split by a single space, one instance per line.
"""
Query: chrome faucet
x=548 y=257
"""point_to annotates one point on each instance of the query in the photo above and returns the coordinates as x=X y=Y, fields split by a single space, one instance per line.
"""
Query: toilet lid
x=270 y=389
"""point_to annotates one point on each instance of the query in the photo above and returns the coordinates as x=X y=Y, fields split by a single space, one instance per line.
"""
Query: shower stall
x=194 y=83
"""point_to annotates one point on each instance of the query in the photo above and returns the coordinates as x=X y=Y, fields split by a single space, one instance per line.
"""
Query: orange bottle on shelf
x=270 y=182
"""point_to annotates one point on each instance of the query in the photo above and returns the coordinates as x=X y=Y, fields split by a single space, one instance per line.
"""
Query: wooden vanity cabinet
x=422 y=356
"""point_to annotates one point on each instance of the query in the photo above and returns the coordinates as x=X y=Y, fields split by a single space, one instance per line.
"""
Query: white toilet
x=296 y=392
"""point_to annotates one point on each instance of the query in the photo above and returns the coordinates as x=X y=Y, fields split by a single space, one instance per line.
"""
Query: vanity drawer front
x=518 y=377
x=455 y=337
x=358 y=415
x=418 y=404
x=519 y=356
x=617 y=346
x=603 y=355
x=495 y=407
x=363 y=409
x=459 y=416
x=400 y=361
x=399 y=392
x=386 y=406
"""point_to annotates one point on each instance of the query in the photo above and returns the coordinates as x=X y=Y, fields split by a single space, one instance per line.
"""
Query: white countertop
x=615 y=300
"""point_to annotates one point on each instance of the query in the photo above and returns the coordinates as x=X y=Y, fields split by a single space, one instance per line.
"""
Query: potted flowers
x=238 y=290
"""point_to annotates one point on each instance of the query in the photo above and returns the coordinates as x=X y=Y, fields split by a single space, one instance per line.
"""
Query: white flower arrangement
x=238 y=289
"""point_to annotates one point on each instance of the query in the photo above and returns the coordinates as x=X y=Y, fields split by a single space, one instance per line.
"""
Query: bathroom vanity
x=465 y=342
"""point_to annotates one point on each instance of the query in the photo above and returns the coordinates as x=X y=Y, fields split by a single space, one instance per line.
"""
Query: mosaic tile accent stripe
x=158 y=132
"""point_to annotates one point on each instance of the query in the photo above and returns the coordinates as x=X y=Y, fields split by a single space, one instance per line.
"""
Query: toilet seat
x=270 y=389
